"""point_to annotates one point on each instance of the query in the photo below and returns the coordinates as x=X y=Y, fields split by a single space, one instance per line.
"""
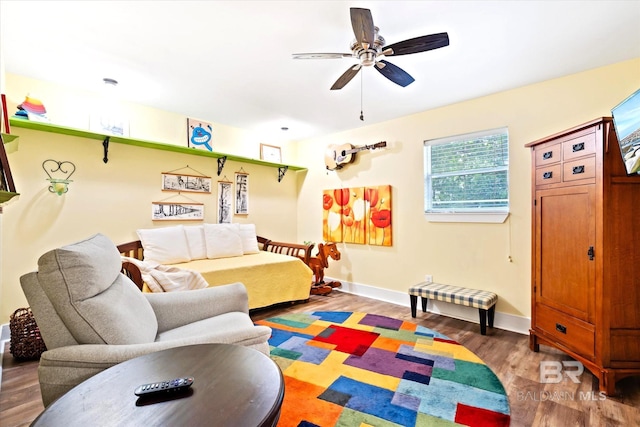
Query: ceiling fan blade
x=394 y=73
x=346 y=77
x=362 y=23
x=418 y=44
x=322 y=55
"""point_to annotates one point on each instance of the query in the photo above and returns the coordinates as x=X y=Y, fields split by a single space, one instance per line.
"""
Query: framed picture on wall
x=173 y=211
x=270 y=153
x=224 y=202
x=242 y=193
x=189 y=183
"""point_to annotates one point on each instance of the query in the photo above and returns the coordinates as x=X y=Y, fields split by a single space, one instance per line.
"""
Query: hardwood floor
x=506 y=353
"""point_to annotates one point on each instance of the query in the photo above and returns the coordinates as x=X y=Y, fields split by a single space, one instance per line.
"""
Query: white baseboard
x=508 y=322
x=5 y=335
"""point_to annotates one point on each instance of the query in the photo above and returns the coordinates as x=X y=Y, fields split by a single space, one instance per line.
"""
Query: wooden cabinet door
x=564 y=233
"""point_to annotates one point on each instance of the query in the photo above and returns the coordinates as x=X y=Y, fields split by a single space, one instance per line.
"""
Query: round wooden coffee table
x=233 y=386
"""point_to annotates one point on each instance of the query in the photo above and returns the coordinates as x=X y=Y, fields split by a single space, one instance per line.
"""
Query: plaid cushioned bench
x=484 y=301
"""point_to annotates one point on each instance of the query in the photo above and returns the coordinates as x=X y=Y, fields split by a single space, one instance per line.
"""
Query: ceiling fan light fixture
x=369 y=44
x=368 y=58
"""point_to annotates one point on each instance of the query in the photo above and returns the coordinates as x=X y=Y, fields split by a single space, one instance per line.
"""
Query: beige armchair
x=92 y=317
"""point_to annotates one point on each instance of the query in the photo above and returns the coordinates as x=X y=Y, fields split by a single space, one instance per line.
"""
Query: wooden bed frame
x=134 y=250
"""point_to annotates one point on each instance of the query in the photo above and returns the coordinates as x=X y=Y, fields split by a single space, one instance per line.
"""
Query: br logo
x=551 y=372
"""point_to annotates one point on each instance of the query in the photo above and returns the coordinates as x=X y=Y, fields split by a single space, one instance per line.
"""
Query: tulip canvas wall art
x=357 y=215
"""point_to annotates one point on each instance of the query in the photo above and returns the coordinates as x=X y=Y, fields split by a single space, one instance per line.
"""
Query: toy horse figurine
x=318 y=264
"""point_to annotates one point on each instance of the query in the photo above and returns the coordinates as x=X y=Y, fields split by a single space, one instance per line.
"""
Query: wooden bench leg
x=414 y=304
x=483 y=321
x=492 y=312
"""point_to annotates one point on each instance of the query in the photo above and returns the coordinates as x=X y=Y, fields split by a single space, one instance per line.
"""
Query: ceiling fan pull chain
x=361 y=84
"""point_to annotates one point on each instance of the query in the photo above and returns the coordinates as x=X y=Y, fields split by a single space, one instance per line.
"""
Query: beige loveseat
x=224 y=253
x=92 y=317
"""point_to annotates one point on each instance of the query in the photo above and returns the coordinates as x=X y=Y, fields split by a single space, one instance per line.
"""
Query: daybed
x=274 y=274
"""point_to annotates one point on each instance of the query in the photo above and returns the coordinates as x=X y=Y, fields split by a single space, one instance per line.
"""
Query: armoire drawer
x=551 y=174
x=579 y=169
x=579 y=147
x=547 y=154
x=571 y=332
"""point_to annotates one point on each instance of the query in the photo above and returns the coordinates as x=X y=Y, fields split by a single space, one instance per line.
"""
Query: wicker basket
x=26 y=342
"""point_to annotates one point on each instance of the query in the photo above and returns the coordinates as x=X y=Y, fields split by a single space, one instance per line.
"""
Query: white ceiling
x=230 y=62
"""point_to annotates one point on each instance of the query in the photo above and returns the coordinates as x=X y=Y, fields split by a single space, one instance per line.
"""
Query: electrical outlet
x=428 y=278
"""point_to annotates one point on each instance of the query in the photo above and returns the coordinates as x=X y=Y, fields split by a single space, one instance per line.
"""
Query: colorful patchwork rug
x=359 y=369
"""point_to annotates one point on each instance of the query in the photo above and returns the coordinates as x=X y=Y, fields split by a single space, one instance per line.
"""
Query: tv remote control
x=168 y=386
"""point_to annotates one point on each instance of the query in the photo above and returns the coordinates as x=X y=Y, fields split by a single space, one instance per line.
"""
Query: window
x=468 y=175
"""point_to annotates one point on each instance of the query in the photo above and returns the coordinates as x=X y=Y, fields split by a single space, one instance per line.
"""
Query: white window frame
x=480 y=215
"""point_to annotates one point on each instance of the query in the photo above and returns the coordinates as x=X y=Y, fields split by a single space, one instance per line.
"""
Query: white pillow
x=249 y=239
x=222 y=240
x=196 y=241
x=166 y=245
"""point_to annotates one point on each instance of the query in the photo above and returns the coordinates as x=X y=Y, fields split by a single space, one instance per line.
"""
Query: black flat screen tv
x=626 y=121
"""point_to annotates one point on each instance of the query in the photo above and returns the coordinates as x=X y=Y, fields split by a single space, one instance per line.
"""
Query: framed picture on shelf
x=199 y=134
x=242 y=193
x=5 y=117
x=6 y=179
x=224 y=202
x=270 y=153
x=189 y=183
x=173 y=211
x=109 y=124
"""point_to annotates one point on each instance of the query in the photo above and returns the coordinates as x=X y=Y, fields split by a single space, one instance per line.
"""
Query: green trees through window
x=468 y=173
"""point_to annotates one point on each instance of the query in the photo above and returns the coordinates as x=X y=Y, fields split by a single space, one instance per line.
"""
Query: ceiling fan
x=369 y=45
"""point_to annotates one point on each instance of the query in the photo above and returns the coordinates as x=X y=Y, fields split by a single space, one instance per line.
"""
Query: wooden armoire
x=586 y=251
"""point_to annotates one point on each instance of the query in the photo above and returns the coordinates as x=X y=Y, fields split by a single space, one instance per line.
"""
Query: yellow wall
x=474 y=255
x=115 y=198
